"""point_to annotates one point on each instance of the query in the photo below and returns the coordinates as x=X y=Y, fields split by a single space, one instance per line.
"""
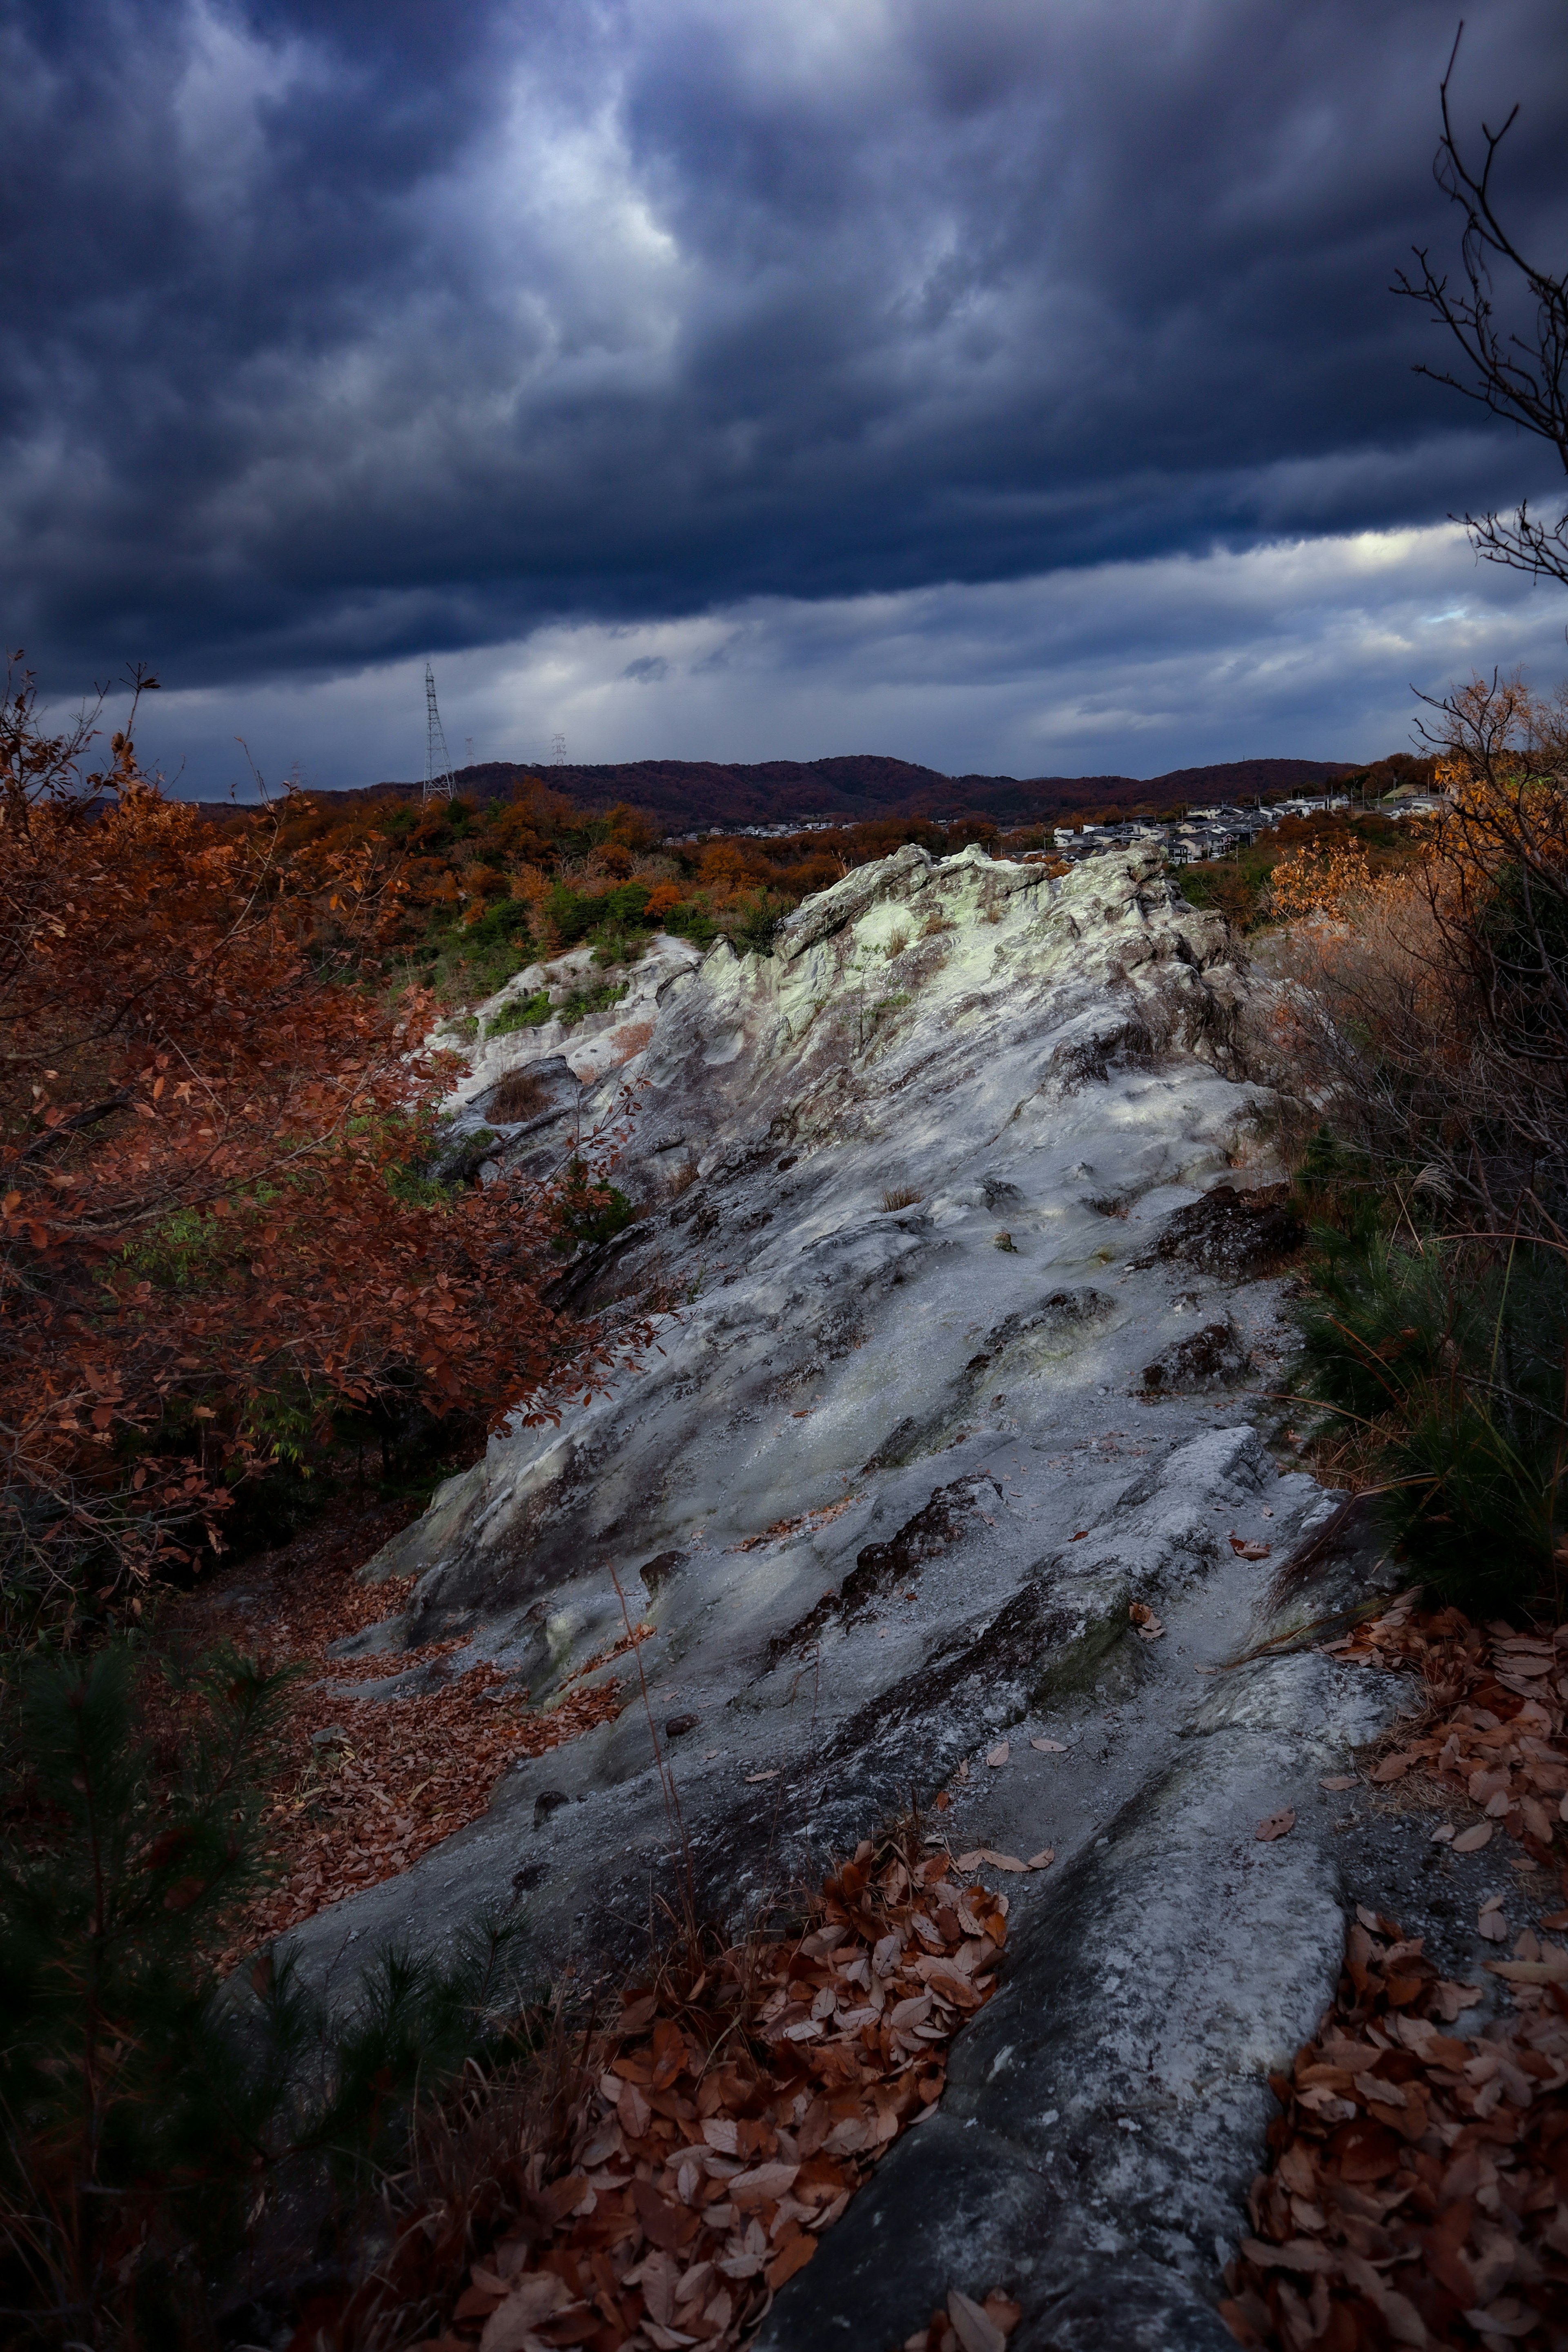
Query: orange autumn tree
x=214 y=1233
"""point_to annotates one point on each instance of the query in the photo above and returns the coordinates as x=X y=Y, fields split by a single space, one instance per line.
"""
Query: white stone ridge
x=886 y=1489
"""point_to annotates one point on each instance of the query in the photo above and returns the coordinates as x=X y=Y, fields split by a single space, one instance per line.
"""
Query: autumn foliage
x=215 y=1237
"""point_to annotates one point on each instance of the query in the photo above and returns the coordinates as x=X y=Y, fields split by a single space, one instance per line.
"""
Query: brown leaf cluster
x=725 y=2120
x=1419 y=2191
x=1494 y=1740
x=1419 y=2188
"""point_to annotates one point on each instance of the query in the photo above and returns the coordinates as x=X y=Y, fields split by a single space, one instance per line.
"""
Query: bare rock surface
x=942 y=1185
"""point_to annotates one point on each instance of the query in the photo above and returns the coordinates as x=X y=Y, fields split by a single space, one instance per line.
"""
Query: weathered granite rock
x=885 y=1490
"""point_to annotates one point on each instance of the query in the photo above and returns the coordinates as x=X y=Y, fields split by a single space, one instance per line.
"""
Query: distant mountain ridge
x=686 y=794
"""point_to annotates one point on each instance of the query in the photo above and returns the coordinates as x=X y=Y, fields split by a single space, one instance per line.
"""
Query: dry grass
x=517 y=1097
x=936 y=924
x=902 y=1196
x=681 y=1177
x=897 y=942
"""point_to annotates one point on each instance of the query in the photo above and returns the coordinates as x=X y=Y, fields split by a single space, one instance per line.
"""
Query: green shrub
x=520 y=1013
x=590 y=1210
x=758 y=921
x=583 y=1000
x=693 y=921
x=1449 y=1356
x=149 y=2112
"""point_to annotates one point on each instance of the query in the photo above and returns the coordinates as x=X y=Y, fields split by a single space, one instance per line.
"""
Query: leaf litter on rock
x=1417 y=2192
x=401 y=1773
x=725 y=2118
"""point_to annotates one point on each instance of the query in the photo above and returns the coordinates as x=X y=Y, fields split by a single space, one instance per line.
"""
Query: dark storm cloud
x=338 y=332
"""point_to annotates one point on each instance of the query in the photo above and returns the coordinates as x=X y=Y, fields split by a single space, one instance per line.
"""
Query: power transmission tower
x=558 y=750
x=439 y=781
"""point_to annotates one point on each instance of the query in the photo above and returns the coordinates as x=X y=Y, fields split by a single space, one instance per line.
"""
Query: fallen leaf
x=1472 y=1841
x=1001 y=1861
x=1493 y=1927
x=971 y=1860
x=1505 y=2318
x=634 y=2111
x=1245 y=1550
x=1277 y=1825
x=1050 y=1747
x=539 y=2297
x=972 y=2325
x=752 y=1778
x=996 y=1757
x=795 y=2257
x=1537 y=1820
x=1044 y=1859
x=765 y=2183
x=1336 y=1781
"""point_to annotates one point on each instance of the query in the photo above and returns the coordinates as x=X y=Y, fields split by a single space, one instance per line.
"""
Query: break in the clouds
x=1124 y=667
x=337 y=335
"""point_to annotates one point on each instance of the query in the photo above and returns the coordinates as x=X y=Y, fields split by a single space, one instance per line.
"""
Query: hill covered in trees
x=682 y=795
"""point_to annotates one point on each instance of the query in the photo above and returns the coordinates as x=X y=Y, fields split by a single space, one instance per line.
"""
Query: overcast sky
x=1012 y=386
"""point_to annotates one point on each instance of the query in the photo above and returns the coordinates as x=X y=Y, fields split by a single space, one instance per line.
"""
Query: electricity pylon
x=439 y=781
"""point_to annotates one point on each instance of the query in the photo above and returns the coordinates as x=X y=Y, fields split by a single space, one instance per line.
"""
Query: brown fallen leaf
x=1338 y=1781
x=1277 y=1825
x=1050 y=1747
x=1472 y=1841
x=752 y=1778
x=1505 y=2317
x=1492 y=1924
x=794 y=2257
x=539 y=2297
x=1245 y=1549
x=1144 y=1618
x=1044 y=1859
x=972 y=2325
x=996 y=1757
x=769 y=2182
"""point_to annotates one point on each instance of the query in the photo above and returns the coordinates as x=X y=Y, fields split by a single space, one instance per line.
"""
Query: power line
x=439 y=781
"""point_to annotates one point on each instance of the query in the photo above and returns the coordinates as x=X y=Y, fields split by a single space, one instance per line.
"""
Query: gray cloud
x=343 y=333
x=1308 y=648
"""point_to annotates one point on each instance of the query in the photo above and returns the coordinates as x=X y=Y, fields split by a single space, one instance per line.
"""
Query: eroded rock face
x=886 y=1491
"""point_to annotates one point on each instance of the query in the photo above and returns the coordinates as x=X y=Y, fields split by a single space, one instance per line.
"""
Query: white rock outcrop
x=973 y=1351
